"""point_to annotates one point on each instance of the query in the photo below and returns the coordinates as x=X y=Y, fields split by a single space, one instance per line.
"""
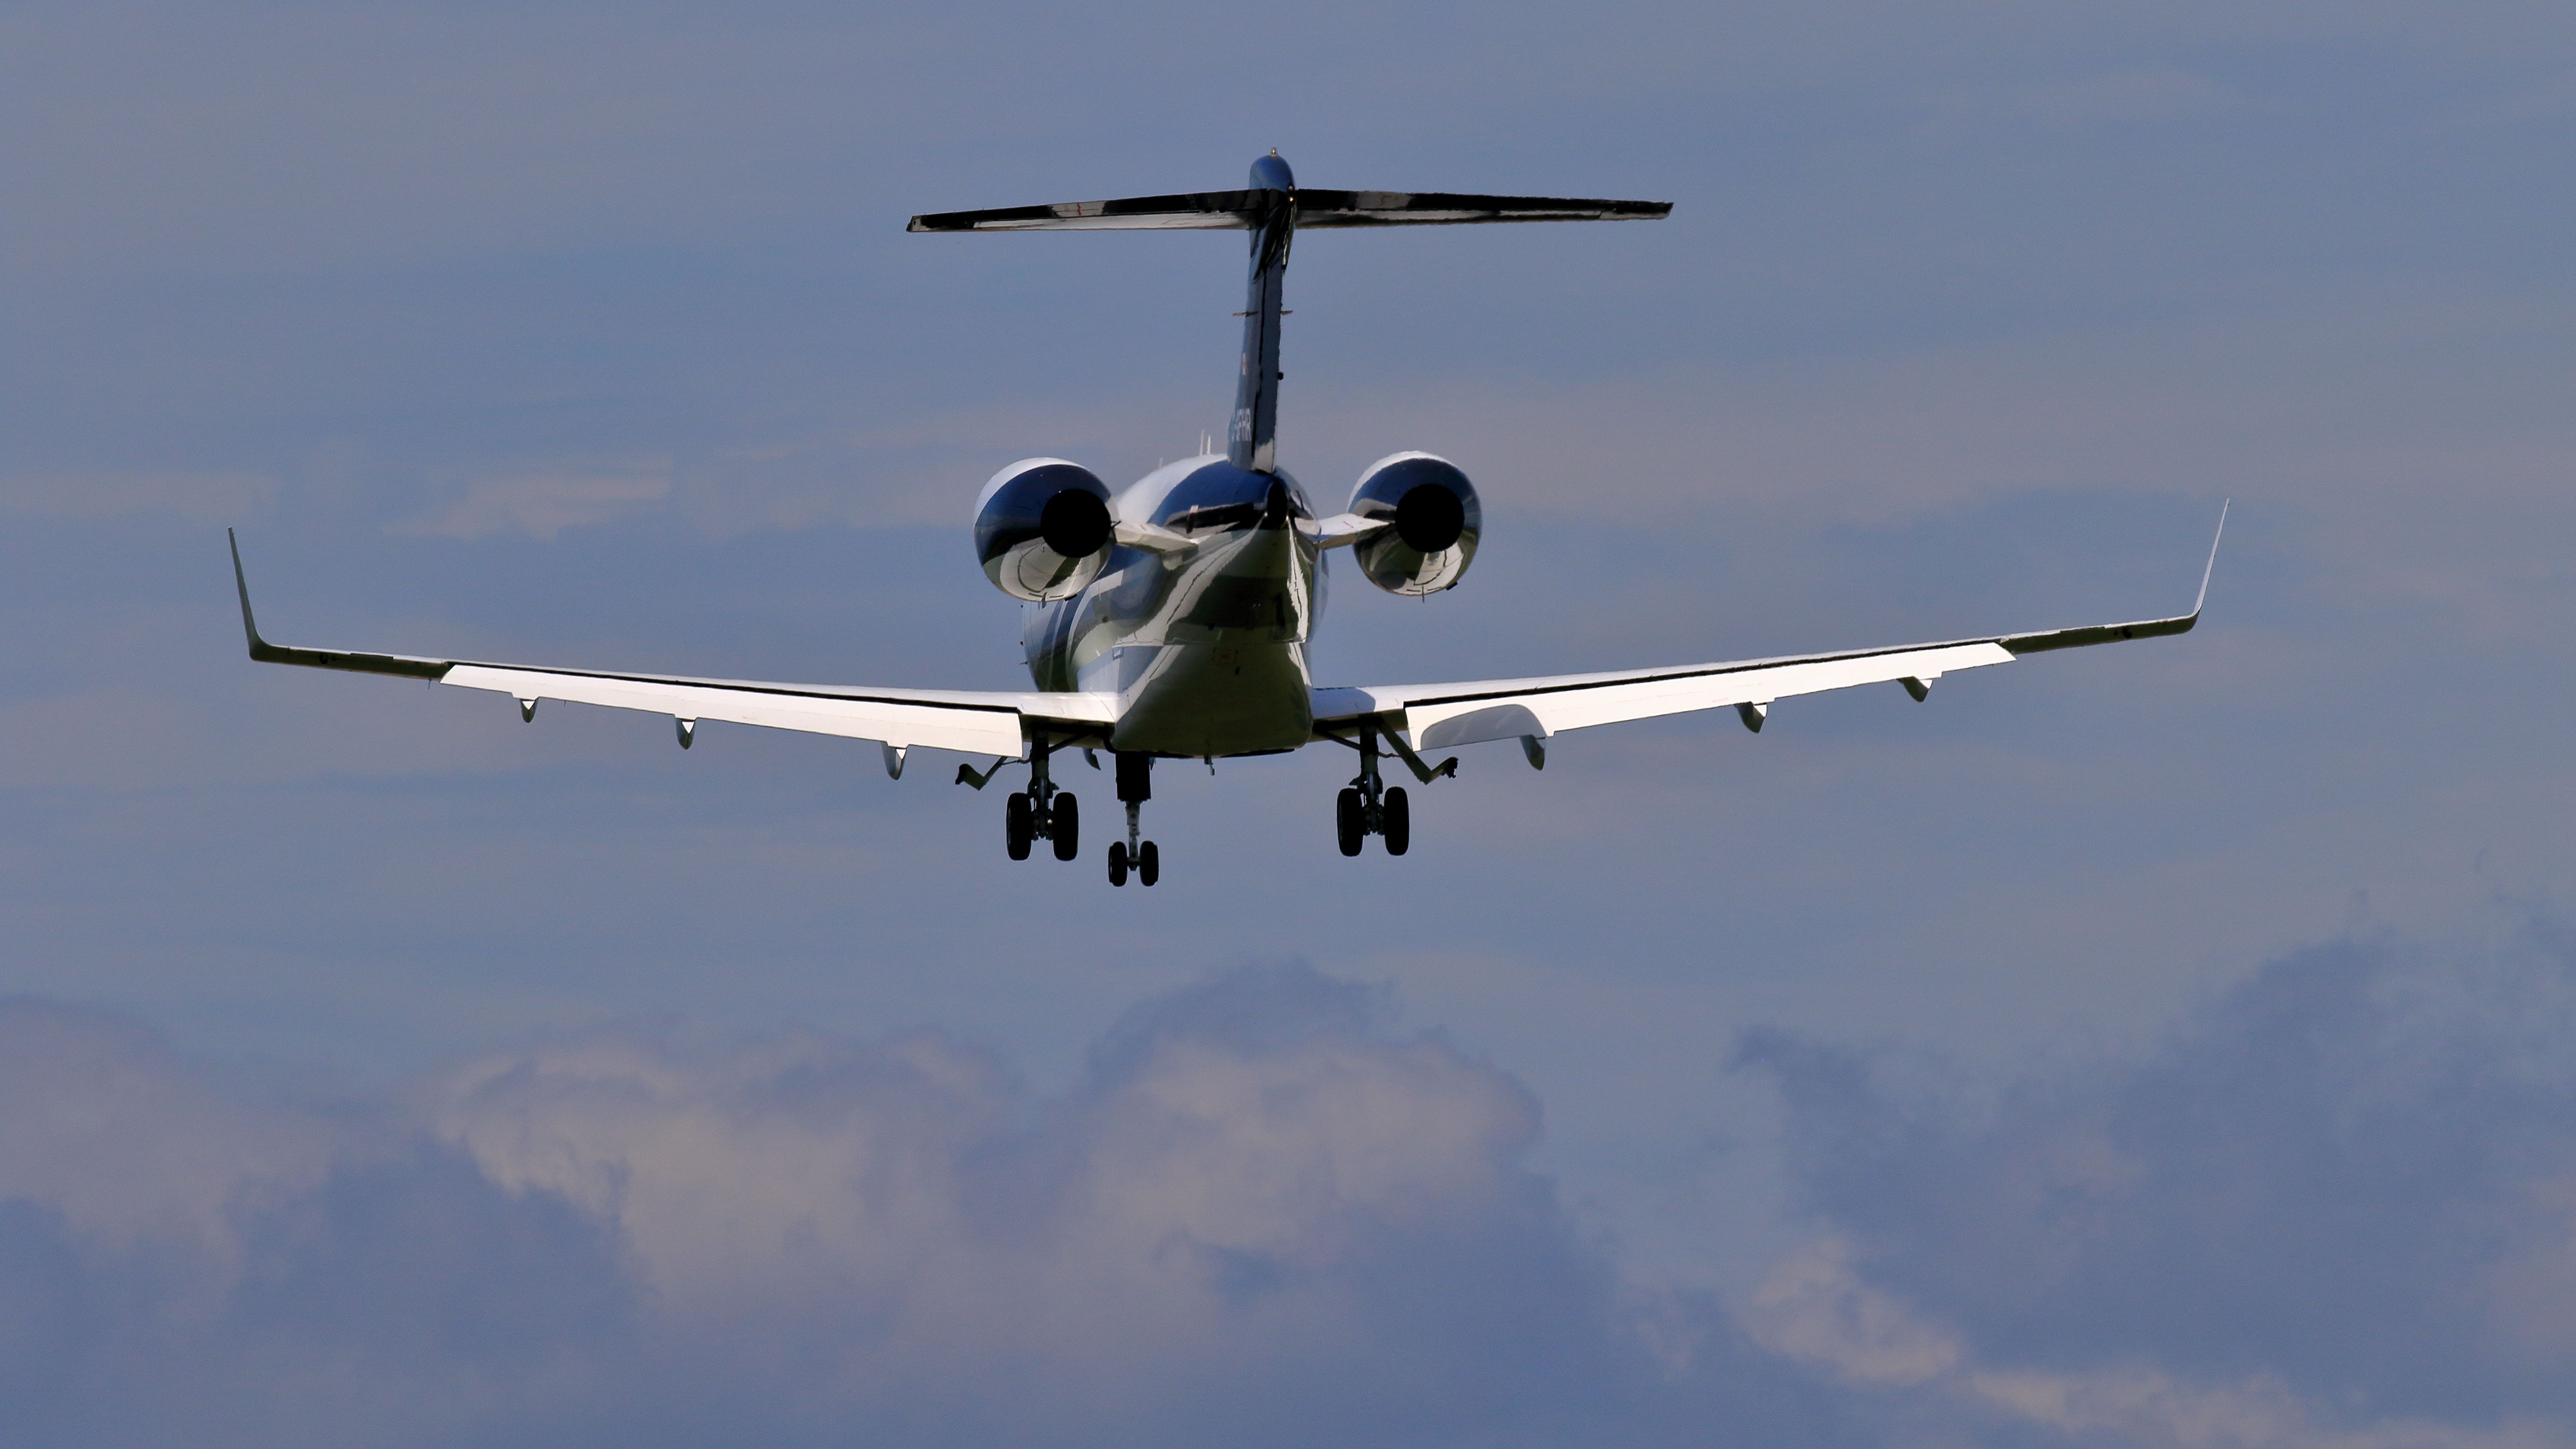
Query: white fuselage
x=1204 y=647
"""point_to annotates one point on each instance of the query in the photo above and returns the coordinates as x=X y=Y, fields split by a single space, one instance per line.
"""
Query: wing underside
x=1437 y=716
x=965 y=721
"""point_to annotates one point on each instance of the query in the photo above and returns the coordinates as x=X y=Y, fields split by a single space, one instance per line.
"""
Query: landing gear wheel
x=1149 y=863
x=1065 y=826
x=1396 y=822
x=1118 y=862
x=1016 y=826
x=1348 y=824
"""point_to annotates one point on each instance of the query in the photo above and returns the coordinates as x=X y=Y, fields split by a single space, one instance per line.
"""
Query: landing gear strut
x=1370 y=807
x=1135 y=787
x=1041 y=812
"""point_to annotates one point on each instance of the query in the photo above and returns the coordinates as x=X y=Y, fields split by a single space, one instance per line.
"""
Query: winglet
x=2212 y=566
x=2142 y=629
x=266 y=653
x=260 y=649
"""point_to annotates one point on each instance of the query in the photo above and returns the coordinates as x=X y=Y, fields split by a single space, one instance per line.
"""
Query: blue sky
x=2115 y=1046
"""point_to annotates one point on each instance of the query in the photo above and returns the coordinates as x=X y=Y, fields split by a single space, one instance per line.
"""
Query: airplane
x=1170 y=620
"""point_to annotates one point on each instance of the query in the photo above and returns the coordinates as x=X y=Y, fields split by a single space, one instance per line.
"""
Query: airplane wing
x=966 y=721
x=1441 y=715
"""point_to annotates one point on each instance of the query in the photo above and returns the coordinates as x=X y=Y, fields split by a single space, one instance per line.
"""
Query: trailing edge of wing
x=1443 y=715
x=967 y=721
x=1240 y=210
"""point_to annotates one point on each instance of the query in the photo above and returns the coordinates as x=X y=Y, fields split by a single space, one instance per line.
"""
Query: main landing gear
x=1042 y=812
x=1135 y=787
x=1369 y=807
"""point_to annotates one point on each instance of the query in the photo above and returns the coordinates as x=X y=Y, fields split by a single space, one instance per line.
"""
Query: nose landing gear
x=1135 y=787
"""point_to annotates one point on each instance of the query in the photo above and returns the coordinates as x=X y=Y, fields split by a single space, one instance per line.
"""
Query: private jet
x=1170 y=620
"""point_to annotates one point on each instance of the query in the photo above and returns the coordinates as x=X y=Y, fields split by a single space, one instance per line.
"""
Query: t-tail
x=1273 y=208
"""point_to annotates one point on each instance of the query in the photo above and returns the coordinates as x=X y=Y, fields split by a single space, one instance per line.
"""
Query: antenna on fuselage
x=1273 y=208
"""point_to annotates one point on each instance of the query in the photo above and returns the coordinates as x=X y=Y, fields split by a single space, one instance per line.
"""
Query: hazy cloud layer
x=542 y=505
x=1260 y=1218
x=2334 y=1211
x=2334 y=1208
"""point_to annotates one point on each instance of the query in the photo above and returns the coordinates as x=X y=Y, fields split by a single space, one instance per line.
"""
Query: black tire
x=1065 y=826
x=1347 y=824
x=1149 y=863
x=1118 y=862
x=1015 y=826
x=1397 y=826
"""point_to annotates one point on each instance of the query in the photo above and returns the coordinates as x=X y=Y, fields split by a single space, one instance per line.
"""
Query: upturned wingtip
x=2212 y=566
x=241 y=587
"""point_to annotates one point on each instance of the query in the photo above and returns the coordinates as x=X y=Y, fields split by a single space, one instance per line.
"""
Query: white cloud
x=204 y=497
x=2331 y=1210
x=2153 y=94
x=802 y=1234
x=1263 y=1217
x=545 y=504
x=1815 y=1309
x=1819 y=1309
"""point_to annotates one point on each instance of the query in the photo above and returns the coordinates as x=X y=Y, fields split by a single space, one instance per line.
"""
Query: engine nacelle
x=1436 y=520
x=1042 y=529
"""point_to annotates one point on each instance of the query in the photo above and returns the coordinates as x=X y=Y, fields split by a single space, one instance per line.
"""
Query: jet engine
x=1042 y=529
x=1436 y=519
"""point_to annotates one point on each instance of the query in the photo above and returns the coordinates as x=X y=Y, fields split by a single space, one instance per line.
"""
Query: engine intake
x=1042 y=529
x=1436 y=519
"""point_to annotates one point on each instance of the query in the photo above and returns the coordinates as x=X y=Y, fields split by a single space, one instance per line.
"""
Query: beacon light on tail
x=1170 y=620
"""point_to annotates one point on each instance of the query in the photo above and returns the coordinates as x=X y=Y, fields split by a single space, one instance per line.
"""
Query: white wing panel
x=989 y=725
x=1464 y=714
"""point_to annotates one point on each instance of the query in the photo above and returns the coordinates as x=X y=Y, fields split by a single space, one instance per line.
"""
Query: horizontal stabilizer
x=1195 y=209
x=1243 y=210
x=1443 y=208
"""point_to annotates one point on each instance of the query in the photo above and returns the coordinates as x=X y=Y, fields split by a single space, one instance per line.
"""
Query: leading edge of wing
x=1442 y=715
x=969 y=721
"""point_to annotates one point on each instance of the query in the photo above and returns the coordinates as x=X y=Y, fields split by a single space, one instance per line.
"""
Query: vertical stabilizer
x=1252 y=442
